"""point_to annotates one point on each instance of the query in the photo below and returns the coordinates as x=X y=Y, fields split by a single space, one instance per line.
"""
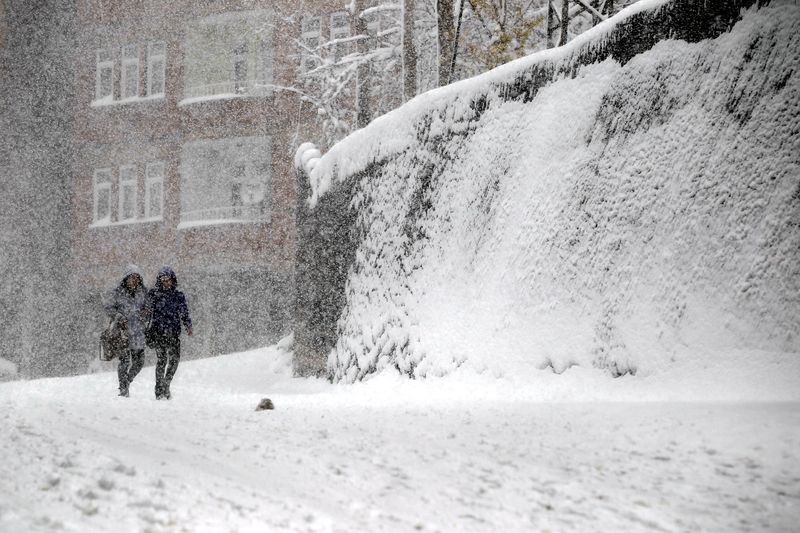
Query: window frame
x=374 y=26
x=107 y=63
x=123 y=183
x=228 y=56
x=305 y=34
x=266 y=62
x=97 y=186
x=151 y=179
x=240 y=66
x=151 y=59
x=125 y=61
x=226 y=180
x=340 y=31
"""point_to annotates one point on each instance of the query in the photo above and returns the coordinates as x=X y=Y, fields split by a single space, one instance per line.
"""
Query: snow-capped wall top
x=306 y=157
x=397 y=130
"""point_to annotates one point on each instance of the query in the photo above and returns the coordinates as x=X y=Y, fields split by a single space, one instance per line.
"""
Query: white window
x=310 y=38
x=154 y=190
x=104 y=81
x=156 y=66
x=130 y=71
x=127 y=193
x=226 y=180
x=228 y=56
x=340 y=29
x=101 y=192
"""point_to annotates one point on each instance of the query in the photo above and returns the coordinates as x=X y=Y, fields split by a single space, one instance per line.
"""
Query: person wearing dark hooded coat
x=170 y=311
x=127 y=303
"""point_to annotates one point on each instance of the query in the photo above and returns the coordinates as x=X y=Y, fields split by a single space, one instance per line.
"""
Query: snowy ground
x=454 y=454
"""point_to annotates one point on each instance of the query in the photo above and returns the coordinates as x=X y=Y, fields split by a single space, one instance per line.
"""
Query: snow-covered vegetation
x=629 y=215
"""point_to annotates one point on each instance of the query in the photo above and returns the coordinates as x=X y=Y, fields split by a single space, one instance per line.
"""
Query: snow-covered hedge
x=623 y=202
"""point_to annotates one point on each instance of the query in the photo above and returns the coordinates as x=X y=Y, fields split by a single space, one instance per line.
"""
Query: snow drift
x=577 y=207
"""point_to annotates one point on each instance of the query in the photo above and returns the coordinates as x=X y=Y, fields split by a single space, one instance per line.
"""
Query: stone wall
x=366 y=244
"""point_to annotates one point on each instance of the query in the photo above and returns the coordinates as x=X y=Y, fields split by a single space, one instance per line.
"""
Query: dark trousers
x=130 y=363
x=168 y=354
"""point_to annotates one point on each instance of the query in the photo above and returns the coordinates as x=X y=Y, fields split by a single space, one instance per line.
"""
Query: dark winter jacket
x=129 y=308
x=169 y=307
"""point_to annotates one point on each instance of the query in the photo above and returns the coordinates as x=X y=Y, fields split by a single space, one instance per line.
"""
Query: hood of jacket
x=168 y=272
x=132 y=270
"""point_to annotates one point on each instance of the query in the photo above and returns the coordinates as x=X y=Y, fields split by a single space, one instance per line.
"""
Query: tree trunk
x=455 y=43
x=363 y=111
x=564 y=22
x=409 y=51
x=444 y=9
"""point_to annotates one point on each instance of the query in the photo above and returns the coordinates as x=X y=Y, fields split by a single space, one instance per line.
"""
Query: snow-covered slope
x=630 y=217
x=465 y=452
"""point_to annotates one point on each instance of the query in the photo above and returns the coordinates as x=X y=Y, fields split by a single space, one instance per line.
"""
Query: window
x=340 y=29
x=228 y=56
x=311 y=33
x=240 y=68
x=104 y=82
x=383 y=29
x=156 y=66
x=226 y=180
x=266 y=63
x=374 y=27
x=129 y=86
x=128 y=207
x=127 y=193
x=130 y=71
x=154 y=190
x=101 y=196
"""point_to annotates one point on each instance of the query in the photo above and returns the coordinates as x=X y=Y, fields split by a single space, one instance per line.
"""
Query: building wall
x=36 y=76
x=3 y=28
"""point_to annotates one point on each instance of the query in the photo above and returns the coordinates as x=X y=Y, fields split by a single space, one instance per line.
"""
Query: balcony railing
x=223 y=215
x=227 y=89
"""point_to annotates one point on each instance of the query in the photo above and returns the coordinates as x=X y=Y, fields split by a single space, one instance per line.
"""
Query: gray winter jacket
x=133 y=307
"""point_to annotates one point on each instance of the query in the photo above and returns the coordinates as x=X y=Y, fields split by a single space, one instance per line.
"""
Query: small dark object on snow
x=265 y=404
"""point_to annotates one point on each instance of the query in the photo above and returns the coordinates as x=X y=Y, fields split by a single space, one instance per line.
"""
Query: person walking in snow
x=169 y=312
x=127 y=303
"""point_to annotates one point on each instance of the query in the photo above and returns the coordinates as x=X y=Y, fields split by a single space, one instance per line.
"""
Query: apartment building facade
x=186 y=122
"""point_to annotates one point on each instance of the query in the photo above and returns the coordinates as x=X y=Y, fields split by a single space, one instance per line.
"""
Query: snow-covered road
x=389 y=455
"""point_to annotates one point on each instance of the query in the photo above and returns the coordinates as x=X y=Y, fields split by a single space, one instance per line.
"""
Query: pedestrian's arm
x=183 y=310
x=147 y=309
x=111 y=306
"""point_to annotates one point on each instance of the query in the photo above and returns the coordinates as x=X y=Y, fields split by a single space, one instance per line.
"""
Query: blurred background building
x=156 y=133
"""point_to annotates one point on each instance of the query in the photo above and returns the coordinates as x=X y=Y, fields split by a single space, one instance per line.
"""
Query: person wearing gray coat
x=128 y=304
